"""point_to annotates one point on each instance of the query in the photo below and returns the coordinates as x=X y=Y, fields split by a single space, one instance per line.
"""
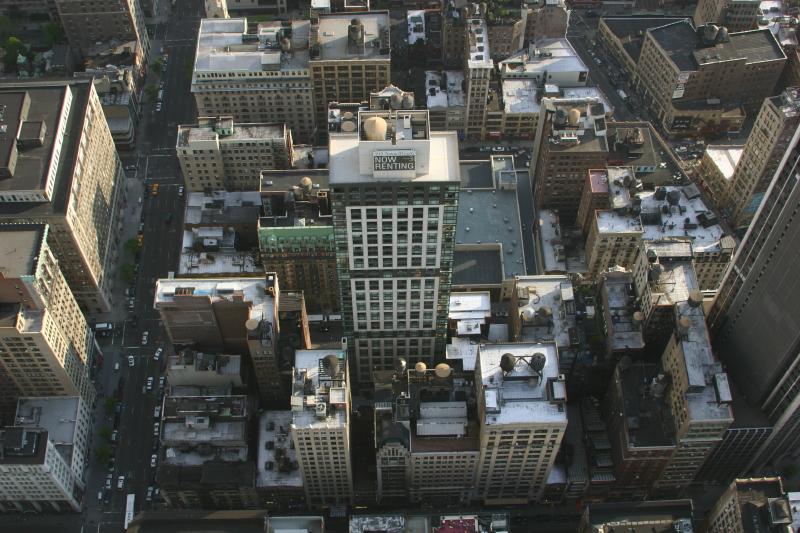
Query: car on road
x=131 y=167
x=131 y=304
x=150 y=383
x=156 y=412
x=158 y=106
x=131 y=360
x=149 y=496
x=141 y=227
x=180 y=190
x=153 y=460
x=498 y=149
x=145 y=337
x=161 y=382
x=155 y=428
x=121 y=483
x=109 y=480
x=114 y=435
x=158 y=353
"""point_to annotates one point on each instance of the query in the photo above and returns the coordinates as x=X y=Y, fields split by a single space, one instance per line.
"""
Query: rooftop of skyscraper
x=20 y=249
x=277 y=460
x=546 y=307
x=319 y=389
x=521 y=384
x=353 y=35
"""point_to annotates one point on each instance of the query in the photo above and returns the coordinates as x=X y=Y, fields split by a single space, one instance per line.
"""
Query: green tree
x=105 y=432
x=157 y=66
x=53 y=33
x=132 y=246
x=151 y=91
x=110 y=404
x=127 y=272
x=13 y=47
x=102 y=454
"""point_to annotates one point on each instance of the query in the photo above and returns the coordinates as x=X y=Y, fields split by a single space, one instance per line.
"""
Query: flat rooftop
x=196 y=521
x=57 y=415
x=464 y=350
x=351 y=159
x=20 y=250
x=725 y=158
x=222 y=207
x=220 y=259
x=378 y=523
x=624 y=332
x=305 y=396
x=189 y=134
x=681 y=43
x=763 y=506
x=444 y=89
x=477 y=266
x=638 y=145
x=489 y=217
x=520 y=396
x=520 y=96
x=467 y=305
x=547 y=304
x=334 y=41
x=478 y=43
x=630 y=30
x=222 y=48
x=551 y=241
x=543 y=56
x=647 y=420
x=276 y=427
x=664 y=516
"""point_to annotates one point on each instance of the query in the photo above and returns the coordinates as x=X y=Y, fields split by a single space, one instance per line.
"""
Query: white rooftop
x=478 y=44
x=416 y=25
x=577 y=93
x=197 y=202
x=466 y=305
x=252 y=289
x=551 y=242
x=382 y=523
x=351 y=159
x=304 y=401
x=451 y=96
x=520 y=396
x=464 y=349
x=725 y=158
x=223 y=261
x=545 y=55
x=547 y=306
x=520 y=96
x=275 y=427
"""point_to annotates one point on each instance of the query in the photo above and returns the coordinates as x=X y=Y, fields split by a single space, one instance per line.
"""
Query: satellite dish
x=331 y=365
x=507 y=362
x=538 y=360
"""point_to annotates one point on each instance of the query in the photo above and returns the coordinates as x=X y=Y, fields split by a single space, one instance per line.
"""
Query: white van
x=116 y=367
x=160 y=95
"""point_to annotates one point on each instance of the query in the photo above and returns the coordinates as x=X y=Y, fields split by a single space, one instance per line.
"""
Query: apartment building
x=570 y=139
x=46 y=347
x=256 y=78
x=88 y=23
x=204 y=460
x=749 y=314
x=692 y=79
x=395 y=199
x=622 y=325
x=44 y=455
x=350 y=57
x=768 y=141
x=279 y=483
x=446 y=101
x=523 y=418
x=191 y=367
x=227 y=315
x=546 y=19
x=320 y=426
x=426 y=438
x=217 y=153
x=659 y=515
x=62 y=169
x=478 y=69
x=750 y=505
x=295 y=232
x=735 y=15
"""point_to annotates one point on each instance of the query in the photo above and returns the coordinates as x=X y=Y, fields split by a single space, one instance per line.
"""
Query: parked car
x=161 y=382
x=153 y=460
x=145 y=337
x=121 y=483
x=180 y=190
x=131 y=360
x=150 y=383
x=156 y=412
x=158 y=353
x=149 y=496
x=155 y=428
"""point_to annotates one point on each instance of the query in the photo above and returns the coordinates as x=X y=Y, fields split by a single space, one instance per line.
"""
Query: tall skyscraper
x=62 y=169
x=755 y=314
x=46 y=346
x=478 y=71
x=395 y=192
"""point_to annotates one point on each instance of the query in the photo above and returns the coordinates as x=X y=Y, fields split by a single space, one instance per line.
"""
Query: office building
x=116 y=88
x=218 y=154
x=659 y=516
x=295 y=233
x=279 y=483
x=622 y=326
x=350 y=56
x=269 y=69
x=190 y=367
x=735 y=15
x=205 y=461
x=522 y=414
x=44 y=455
x=752 y=317
x=546 y=19
x=715 y=170
x=228 y=315
x=46 y=347
x=395 y=198
x=220 y=236
x=478 y=70
x=426 y=437
x=320 y=426
x=768 y=141
x=446 y=101
x=570 y=140
x=86 y=24
x=62 y=169
x=751 y=505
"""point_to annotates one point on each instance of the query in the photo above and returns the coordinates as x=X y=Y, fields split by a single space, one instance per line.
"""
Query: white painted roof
x=725 y=158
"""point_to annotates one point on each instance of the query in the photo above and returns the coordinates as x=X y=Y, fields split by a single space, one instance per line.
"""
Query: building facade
x=218 y=153
x=395 y=198
x=86 y=24
x=749 y=505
